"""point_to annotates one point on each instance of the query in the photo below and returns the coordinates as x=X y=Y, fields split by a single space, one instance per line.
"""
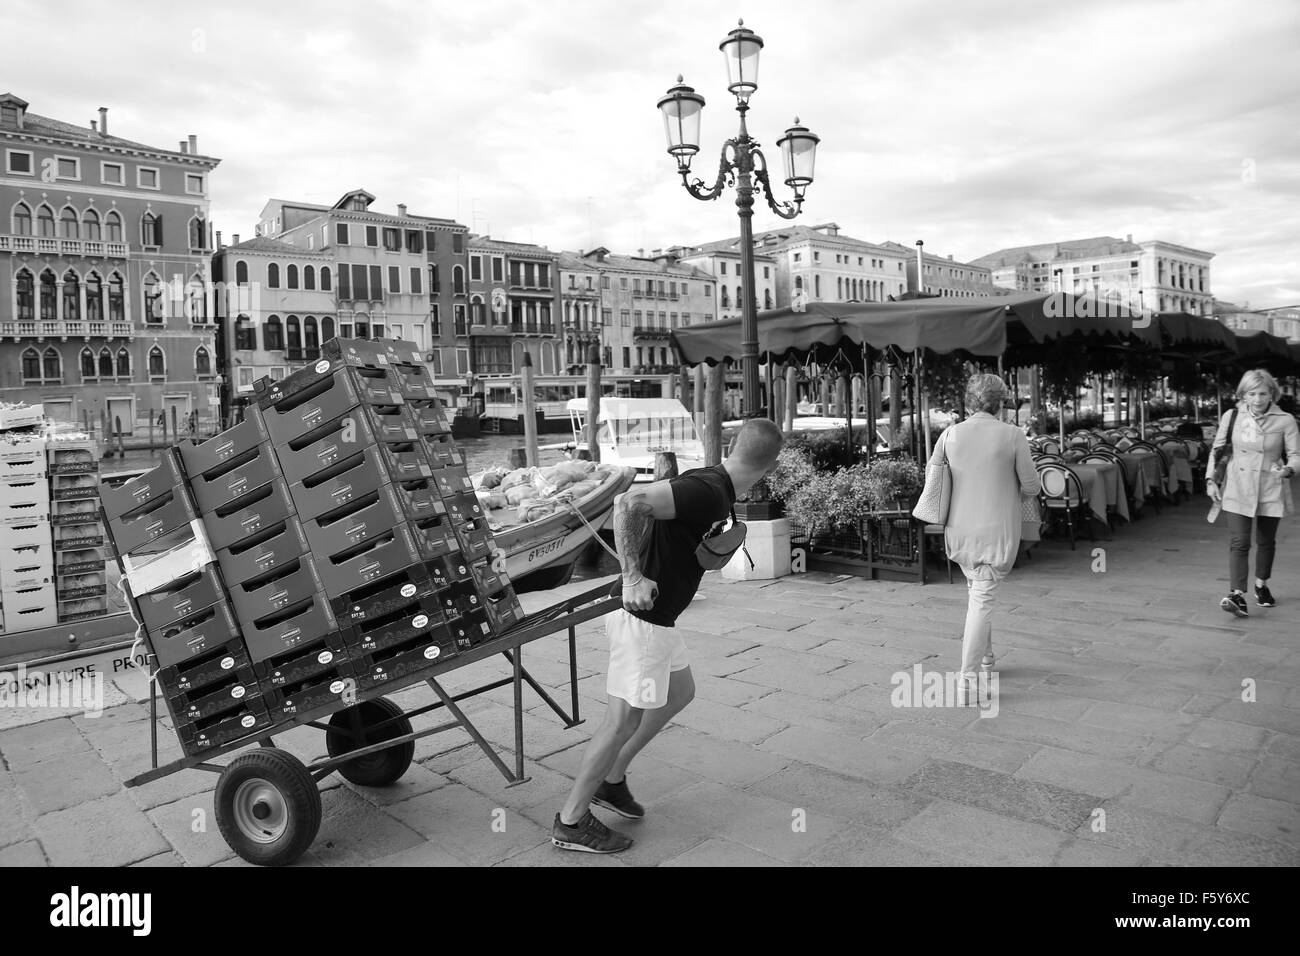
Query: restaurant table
x=1142 y=473
x=1103 y=483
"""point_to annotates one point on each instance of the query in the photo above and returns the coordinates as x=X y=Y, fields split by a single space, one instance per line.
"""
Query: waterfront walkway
x=1136 y=723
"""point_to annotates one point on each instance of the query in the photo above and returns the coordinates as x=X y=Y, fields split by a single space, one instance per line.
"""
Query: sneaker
x=1263 y=596
x=588 y=835
x=617 y=797
x=1235 y=604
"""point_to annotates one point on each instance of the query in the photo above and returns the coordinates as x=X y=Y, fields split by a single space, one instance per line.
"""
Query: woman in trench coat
x=1256 y=490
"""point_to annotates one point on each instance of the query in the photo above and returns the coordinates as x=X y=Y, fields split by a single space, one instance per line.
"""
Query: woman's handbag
x=1224 y=455
x=932 y=508
x=718 y=545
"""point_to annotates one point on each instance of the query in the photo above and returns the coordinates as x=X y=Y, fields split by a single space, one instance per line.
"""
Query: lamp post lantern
x=743 y=165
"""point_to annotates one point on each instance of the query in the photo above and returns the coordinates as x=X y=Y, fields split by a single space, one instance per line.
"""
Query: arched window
x=45 y=221
x=49 y=309
x=726 y=300
x=245 y=334
x=292 y=277
x=798 y=282
x=202 y=361
x=31 y=365
x=326 y=329
x=458 y=280
x=272 y=276
x=157 y=365
x=26 y=296
x=52 y=365
x=198 y=234
x=87 y=364
x=116 y=298
x=94 y=298
x=308 y=277
x=293 y=338
x=325 y=278
x=433 y=278
x=105 y=363
x=71 y=296
x=767 y=298
x=112 y=227
x=241 y=272
x=90 y=225
x=310 y=339
x=196 y=303
x=68 y=225
x=22 y=220
x=123 y=363
x=273 y=334
x=153 y=306
x=477 y=310
x=150 y=230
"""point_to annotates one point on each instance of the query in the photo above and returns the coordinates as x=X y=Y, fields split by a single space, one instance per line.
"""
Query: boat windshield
x=652 y=433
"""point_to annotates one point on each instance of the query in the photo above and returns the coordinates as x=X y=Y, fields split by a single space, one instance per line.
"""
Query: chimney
x=234 y=239
x=950 y=257
x=93 y=125
x=194 y=144
x=218 y=238
x=181 y=146
x=103 y=121
x=1129 y=238
x=640 y=253
x=401 y=209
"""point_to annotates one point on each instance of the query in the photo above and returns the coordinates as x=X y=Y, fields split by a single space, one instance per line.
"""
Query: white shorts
x=641 y=658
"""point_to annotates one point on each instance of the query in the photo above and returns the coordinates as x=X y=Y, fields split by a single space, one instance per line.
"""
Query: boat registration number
x=549 y=548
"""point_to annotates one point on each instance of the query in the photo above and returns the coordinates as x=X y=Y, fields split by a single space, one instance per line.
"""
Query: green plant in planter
x=892 y=483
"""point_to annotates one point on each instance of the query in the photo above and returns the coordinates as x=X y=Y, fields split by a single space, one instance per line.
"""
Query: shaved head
x=757 y=444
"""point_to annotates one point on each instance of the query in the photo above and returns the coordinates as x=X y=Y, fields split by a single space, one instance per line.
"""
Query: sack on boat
x=581 y=489
x=520 y=476
x=532 y=510
x=519 y=494
x=492 y=478
x=491 y=499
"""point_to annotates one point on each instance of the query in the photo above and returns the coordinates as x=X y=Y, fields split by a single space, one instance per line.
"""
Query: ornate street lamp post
x=742 y=165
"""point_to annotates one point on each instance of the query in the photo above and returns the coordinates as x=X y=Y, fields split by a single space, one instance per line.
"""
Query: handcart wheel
x=353 y=728
x=268 y=807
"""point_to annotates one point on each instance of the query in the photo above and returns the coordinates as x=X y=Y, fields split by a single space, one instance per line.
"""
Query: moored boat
x=541 y=537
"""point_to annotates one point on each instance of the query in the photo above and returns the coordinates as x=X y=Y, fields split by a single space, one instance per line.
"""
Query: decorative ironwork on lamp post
x=743 y=165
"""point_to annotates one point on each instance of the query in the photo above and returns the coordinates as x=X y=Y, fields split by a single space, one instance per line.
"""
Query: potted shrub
x=893 y=484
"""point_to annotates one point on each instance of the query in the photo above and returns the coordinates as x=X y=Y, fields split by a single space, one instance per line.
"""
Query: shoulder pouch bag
x=932 y=507
x=719 y=545
x=1224 y=454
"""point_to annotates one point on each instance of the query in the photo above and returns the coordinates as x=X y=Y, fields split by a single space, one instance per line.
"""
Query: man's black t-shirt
x=702 y=497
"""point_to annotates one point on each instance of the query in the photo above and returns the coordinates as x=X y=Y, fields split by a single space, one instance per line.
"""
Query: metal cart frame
x=275 y=790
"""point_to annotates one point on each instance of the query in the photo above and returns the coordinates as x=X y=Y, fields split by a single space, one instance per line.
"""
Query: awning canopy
x=983 y=326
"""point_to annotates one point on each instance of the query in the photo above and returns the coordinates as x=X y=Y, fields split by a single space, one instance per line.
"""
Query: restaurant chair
x=1063 y=497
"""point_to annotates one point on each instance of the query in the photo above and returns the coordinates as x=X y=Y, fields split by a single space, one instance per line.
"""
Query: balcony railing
x=651 y=332
x=45 y=246
x=532 y=328
x=46 y=329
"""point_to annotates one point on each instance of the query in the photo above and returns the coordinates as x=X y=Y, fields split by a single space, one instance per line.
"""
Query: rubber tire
x=287 y=774
x=382 y=768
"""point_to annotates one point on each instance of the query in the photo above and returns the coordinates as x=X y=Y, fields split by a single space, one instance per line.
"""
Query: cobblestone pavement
x=1135 y=723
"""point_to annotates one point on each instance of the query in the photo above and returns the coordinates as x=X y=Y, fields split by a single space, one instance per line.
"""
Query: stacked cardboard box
x=347 y=545
x=80 y=579
x=27 y=595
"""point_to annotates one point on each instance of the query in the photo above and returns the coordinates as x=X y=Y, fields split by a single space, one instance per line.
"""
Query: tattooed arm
x=633 y=512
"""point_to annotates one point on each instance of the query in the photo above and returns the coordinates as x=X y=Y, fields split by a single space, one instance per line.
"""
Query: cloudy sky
x=973 y=125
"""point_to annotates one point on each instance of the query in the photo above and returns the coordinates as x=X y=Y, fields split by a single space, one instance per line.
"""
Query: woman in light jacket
x=1257 y=485
x=991 y=469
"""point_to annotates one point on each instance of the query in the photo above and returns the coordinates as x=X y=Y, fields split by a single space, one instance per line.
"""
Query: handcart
x=267 y=801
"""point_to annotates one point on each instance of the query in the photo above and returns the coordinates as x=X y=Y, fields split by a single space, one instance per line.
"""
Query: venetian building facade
x=108 y=306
